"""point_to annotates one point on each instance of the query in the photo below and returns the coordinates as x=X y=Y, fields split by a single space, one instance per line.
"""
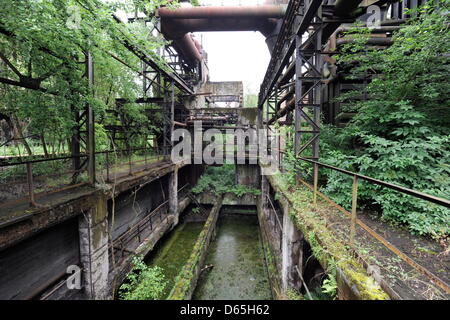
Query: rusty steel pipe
x=266 y=11
x=345 y=8
x=177 y=23
x=176 y=29
x=189 y=48
x=370 y=41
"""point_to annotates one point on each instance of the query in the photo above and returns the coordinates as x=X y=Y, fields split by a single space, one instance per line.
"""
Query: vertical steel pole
x=90 y=122
x=354 y=203
x=317 y=99
x=30 y=185
x=165 y=107
x=172 y=113
x=316 y=178
x=298 y=95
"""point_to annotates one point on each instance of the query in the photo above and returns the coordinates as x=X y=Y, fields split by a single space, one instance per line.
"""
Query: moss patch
x=333 y=255
x=186 y=280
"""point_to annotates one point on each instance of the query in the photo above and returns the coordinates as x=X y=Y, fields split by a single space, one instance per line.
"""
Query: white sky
x=236 y=56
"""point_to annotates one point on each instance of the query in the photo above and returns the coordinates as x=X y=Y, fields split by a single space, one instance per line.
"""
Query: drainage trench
x=234 y=265
x=236 y=257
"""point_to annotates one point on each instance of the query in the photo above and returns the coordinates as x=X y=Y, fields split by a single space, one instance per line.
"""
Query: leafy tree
x=42 y=64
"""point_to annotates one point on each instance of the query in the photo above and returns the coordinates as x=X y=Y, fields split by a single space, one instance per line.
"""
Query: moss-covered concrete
x=352 y=280
x=186 y=280
x=271 y=255
x=174 y=251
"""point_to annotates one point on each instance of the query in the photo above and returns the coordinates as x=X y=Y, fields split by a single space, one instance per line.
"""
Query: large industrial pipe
x=345 y=8
x=242 y=12
x=371 y=41
x=189 y=48
x=176 y=23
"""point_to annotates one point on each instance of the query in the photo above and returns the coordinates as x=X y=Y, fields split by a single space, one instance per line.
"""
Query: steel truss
x=308 y=81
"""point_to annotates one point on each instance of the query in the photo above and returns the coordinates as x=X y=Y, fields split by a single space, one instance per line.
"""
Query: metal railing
x=104 y=170
x=141 y=229
x=278 y=222
x=353 y=216
x=147 y=224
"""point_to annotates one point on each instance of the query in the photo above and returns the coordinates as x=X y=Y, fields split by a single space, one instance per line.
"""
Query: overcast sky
x=236 y=56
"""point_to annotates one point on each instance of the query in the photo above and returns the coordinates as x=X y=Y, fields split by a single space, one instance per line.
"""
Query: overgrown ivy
x=143 y=282
x=220 y=180
x=401 y=133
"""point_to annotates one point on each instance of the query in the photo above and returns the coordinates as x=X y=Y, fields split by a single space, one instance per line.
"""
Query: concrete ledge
x=229 y=199
x=22 y=224
x=353 y=282
x=118 y=276
x=186 y=280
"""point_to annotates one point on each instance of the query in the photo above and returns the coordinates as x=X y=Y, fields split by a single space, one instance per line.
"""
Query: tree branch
x=26 y=85
x=9 y=64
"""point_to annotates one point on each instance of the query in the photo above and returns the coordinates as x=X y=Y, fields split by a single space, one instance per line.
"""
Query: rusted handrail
x=411 y=192
x=275 y=211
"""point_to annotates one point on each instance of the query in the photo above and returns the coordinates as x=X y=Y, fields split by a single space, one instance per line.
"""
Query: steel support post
x=90 y=124
x=308 y=87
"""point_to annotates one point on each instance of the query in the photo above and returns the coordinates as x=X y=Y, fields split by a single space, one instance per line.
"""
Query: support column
x=292 y=253
x=173 y=194
x=93 y=231
x=90 y=143
x=264 y=193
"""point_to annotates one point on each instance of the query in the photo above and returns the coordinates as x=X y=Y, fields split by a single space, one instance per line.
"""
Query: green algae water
x=174 y=251
x=239 y=270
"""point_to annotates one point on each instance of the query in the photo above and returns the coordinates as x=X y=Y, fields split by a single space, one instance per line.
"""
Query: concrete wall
x=37 y=247
x=217 y=90
x=271 y=241
x=248 y=175
x=30 y=266
x=131 y=206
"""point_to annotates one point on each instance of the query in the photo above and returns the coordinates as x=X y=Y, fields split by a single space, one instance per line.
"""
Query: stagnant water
x=174 y=250
x=238 y=271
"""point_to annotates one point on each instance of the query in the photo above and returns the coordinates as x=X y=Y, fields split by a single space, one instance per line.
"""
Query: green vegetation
x=143 y=282
x=43 y=86
x=400 y=134
x=221 y=180
x=174 y=251
x=327 y=247
x=187 y=278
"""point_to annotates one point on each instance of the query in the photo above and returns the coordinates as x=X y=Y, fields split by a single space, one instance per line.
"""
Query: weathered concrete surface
x=67 y=204
x=93 y=230
x=248 y=175
x=271 y=241
x=292 y=253
x=89 y=208
x=25 y=269
x=229 y=199
x=186 y=281
x=24 y=224
x=173 y=194
x=353 y=282
x=228 y=93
